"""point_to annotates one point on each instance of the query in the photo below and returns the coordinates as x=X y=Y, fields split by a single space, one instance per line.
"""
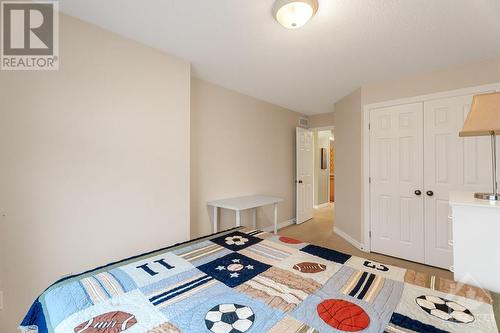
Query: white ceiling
x=349 y=43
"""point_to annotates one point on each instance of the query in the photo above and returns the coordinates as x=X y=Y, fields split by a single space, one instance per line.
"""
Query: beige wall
x=321 y=120
x=239 y=146
x=347 y=120
x=467 y=75
x=94 y=161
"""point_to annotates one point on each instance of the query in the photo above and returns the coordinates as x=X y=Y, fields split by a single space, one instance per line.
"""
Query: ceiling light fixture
x=293 y=14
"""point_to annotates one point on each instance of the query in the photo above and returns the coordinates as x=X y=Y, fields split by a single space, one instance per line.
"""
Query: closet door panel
x=396 y=154
x=451 y=164
x=443 y=168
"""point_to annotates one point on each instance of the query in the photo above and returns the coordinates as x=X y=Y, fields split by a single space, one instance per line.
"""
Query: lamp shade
x=484 y=116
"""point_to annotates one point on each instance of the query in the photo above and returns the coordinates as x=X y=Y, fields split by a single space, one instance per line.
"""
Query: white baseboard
x=348 y=238
x=323 y=205
x=280 y=225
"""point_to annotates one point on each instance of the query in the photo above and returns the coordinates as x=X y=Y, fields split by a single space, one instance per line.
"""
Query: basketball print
x=343 y=315
x=229 y=318
x=111 y=322
x=445 y=309
x=309 y=267
x=289 y=240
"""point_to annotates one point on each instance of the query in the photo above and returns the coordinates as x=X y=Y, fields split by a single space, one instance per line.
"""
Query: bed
x=246 y=280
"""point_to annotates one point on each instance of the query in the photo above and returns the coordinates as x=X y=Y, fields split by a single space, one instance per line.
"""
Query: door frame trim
x=365 y=147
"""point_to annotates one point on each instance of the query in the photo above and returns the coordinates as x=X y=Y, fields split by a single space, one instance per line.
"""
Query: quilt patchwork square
x=130 y=311
x=279 y=288
x=447 y=286
x=327 y=254
x=287 y=241
x=228 y=312
x=66 y=300
x=331 y=308
x=234 y=269
x=363 y=285
x=290 y=324
x=256 y=233
x=309 y=267
x=387 y=271
x=105 y=285
x=438 y=311
x=156 y=268
x=236 y=241
x=169 y=292
x=201 y=253
x=268 y=252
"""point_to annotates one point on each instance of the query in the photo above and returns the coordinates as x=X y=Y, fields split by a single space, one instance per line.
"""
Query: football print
x=343 y=315
x=445 y=309
x=309 y=267
x=229 y=318
x=289 y=240
x=110 y=322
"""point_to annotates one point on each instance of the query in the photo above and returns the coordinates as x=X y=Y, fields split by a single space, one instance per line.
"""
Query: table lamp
x=484 y=120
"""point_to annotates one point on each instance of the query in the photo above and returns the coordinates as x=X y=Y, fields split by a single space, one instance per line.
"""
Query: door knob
x=430 y=193
x=418 y=192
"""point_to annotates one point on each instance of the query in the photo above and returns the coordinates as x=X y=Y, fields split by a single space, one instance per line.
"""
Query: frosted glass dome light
x=293 y=14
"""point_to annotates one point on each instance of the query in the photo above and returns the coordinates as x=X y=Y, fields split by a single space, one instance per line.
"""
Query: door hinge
x=369 y=126
x=370 y=234
x=369 y=180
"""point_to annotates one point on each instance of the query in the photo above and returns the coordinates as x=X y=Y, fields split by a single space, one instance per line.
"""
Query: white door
x=304 y=180
x=396 y=171
x=451 y=164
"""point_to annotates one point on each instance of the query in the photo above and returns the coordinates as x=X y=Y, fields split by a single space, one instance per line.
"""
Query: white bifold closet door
x=451 y=164
x=396 y=171
x=416 y=159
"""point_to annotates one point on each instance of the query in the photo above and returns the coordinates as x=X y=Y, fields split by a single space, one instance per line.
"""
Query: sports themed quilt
x=244 y=280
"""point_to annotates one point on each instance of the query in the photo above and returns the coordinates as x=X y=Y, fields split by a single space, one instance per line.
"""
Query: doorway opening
x=324 y=167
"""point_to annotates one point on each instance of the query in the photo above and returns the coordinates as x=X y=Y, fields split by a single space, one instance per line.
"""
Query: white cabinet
x=416 y=160
x=476 y=245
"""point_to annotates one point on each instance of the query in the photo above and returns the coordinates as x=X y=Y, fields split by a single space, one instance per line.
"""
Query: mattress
x=246 y=280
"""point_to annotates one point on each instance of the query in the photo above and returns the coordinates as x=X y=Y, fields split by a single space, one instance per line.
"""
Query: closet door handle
x=430 y=193
x=418 y=192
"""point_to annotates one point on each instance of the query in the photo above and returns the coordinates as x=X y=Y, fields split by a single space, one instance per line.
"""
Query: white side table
x=243 y=203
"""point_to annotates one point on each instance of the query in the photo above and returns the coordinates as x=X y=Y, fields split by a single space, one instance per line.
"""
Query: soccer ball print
x=236 y=240
x=445 y=309
x=229 y=318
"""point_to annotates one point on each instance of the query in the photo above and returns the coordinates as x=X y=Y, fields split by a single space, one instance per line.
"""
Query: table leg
x=216 y=217
x=255 y=218
x=275 y=218
x=238 y=218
